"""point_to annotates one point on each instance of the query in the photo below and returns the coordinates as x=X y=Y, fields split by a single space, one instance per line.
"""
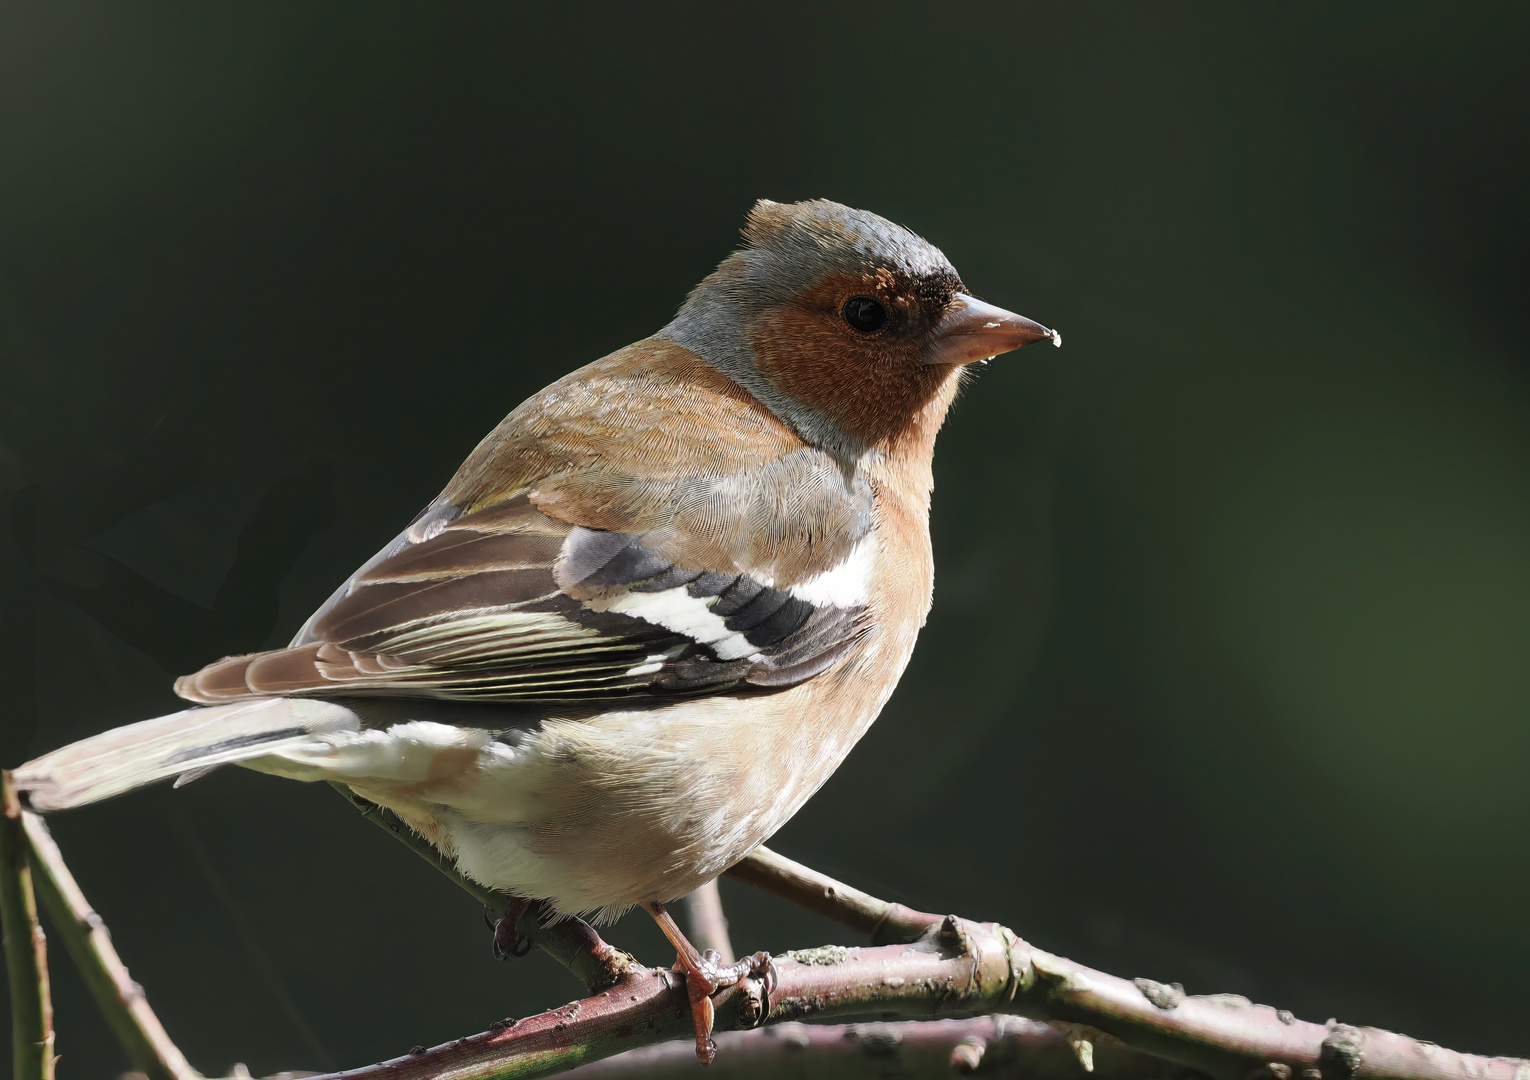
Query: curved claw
x=699 y=991
x=707 y=978
x=704 y=976
x=510 y=946
x=762 y=966
x=508 y=942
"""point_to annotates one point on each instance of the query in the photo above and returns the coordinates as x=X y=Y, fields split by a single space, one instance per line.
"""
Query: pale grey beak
x=973 y=330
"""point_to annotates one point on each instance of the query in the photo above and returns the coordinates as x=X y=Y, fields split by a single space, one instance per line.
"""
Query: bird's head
x=848 y=327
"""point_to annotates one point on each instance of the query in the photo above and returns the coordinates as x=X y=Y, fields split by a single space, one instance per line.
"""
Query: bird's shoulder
x=652 y=410
x=654 y=441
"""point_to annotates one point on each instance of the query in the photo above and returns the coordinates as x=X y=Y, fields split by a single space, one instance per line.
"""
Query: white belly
x=606 y=812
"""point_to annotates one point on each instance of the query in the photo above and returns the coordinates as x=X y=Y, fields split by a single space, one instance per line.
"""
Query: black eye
x=864 y=314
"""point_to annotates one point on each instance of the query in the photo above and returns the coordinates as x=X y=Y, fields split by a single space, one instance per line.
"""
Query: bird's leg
x=704 y=976
x=507 y=941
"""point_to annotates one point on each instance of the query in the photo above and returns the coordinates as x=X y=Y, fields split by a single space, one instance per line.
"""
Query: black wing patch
x=772 y=637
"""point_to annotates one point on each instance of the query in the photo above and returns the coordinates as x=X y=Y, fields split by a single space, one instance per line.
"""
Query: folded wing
x=508 y=603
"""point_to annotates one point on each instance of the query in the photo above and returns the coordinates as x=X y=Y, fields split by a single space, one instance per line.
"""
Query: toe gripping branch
x=528 y=924
x=509 y=942
x=523 y=924
x=705 y=975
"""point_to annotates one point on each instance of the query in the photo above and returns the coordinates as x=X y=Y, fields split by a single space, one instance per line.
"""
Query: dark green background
x=1226 y=680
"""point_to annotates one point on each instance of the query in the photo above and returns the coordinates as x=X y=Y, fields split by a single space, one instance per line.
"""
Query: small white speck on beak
x=972 y=330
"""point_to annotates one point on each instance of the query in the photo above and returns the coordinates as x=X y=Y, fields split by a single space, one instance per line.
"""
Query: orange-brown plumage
x=805 y=349
x=653 y=610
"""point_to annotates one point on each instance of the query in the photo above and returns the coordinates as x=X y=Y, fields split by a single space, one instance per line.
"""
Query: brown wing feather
x=454 y=614
x=471 y=630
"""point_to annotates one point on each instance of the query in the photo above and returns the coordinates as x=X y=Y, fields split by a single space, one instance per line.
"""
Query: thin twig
x=26 y=949
x=120 y=999
x=1223 y=1035
x=883 y=922
x=1229 y=1037
x=569 y=940
x=998 y=1046
x=707 y=923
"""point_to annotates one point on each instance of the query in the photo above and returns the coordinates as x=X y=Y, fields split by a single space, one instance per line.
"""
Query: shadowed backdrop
x=1226 y=678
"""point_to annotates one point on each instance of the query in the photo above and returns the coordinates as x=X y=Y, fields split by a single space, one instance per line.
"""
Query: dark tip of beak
x=972 y=330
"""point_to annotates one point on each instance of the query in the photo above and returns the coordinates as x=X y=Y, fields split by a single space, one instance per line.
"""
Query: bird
x=653 y=610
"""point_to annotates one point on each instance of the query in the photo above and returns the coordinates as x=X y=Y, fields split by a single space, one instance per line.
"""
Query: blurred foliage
x=1228 y=649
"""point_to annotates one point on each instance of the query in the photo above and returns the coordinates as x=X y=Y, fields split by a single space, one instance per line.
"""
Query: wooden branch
x=994 y=1045
x=1227 y=1036
x=954 y=968
x=1223 y=1035
x=957 y=968
x=26 y=949
x=924 y=979
x=120 y=999
x=707 y=923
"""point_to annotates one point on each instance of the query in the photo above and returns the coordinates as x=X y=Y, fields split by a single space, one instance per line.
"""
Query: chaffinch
x=653 y=610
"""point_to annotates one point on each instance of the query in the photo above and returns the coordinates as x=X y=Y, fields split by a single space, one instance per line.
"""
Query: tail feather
x=190 y=741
